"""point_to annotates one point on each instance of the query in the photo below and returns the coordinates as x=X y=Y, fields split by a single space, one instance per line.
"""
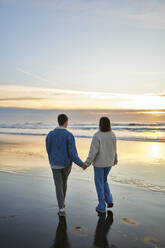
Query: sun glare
x=156 y=150
x=155 y=112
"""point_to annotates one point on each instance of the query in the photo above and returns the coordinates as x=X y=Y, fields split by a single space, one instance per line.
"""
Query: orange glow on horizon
x=44 y=98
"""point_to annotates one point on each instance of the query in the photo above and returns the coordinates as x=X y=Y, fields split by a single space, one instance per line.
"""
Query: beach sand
x=28 y=216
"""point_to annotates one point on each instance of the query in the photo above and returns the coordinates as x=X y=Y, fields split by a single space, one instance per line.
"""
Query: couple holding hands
x=61 y=149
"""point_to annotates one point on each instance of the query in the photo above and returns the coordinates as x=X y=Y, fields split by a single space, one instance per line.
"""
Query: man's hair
x=105 y=124
x=62 y=118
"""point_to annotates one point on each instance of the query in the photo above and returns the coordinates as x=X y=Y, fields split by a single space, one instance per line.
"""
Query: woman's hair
x=105 y=124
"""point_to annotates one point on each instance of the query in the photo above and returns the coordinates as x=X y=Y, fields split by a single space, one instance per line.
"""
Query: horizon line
x=85 y=109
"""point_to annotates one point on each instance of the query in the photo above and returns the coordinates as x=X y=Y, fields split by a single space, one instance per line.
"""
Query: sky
x=82 y=54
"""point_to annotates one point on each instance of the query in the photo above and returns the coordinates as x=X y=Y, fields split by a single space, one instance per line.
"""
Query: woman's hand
x=116 y=159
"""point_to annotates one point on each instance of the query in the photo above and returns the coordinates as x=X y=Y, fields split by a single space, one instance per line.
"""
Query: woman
x=103 y=156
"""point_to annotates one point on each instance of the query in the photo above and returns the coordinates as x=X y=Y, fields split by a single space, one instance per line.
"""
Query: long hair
x=105 y=124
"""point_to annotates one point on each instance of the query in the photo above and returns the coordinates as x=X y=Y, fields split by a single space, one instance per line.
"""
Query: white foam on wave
x=139 y=183
x=117 y=179
x=86 y=126
x=126 y=138
x=124 y=131
x=11 y=172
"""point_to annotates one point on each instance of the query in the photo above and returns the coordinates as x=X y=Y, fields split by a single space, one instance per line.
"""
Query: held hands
x=84 y=167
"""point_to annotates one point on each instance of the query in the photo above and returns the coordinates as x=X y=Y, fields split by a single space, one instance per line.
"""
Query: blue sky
x=96 y=45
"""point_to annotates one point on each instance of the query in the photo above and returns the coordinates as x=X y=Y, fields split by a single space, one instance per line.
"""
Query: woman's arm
x=116 y=156
x=94 y=149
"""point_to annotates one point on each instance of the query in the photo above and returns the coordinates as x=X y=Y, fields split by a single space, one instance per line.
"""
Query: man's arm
x=48 y=144
x=73 y=151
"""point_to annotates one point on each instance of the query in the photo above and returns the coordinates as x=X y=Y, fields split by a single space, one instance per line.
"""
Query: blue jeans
x=102 y=187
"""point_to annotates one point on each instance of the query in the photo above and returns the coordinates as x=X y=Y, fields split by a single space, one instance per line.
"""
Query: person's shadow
x=103 y=226
x=61 y=237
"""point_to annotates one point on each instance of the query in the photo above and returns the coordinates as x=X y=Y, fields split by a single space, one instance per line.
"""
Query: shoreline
x=112 y=181
x=137 y=139
x=115 y=181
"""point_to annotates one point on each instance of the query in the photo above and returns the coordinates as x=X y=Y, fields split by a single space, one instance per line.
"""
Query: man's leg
x=107 y=192
x=99 y=183
x=58 y=181
x=65 y=173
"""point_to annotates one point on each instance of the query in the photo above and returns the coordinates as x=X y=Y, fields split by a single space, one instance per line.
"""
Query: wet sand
x=28 y=216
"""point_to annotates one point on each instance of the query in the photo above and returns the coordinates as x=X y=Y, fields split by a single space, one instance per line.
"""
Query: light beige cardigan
x=103 y=152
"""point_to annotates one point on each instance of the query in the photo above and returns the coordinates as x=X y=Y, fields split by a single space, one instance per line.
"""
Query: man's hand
x=84 y=167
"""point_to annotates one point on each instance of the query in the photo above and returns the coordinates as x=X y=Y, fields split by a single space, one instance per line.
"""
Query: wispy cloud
x=140 y=13
x=162 y=94
x=98 y=95
x=147 y=17
x=8 y=99
x=45 y=98
x=35 y=76
x=37 y=97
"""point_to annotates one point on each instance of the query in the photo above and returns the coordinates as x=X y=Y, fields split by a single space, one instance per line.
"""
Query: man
x=61 y=149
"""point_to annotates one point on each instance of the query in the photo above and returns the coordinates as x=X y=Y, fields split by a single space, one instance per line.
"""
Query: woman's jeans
x=102 y=187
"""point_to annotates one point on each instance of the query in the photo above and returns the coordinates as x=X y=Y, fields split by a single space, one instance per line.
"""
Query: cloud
x=35 y=76
x=139 y=13
x=45 y=98
x=162 y=94
x=20 y=99
x=98 y=95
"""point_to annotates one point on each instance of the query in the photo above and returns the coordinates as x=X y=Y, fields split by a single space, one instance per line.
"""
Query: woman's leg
x=107 y=192
x=99 y=183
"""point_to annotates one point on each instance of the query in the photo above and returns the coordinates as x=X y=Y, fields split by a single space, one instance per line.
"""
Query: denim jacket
x=61 y=148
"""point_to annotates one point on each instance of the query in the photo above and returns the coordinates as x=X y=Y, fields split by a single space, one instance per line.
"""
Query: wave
x=124 y=131
x=132 y=127
x=147 y=139
x=139 y=183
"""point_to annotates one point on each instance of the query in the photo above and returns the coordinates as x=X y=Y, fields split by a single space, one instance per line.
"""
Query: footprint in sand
x=130 y=221
x=80 y=230
x=154 y=242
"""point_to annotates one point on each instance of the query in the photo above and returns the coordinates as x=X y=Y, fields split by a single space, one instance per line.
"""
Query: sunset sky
x=82 y=54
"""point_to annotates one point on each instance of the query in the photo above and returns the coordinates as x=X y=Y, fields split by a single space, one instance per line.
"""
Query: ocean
x=82 y=123
x=154 y=132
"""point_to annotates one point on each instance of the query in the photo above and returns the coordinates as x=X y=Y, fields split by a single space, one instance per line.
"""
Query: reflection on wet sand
x=100 y=239
x=61 y=236
x=103 y=226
